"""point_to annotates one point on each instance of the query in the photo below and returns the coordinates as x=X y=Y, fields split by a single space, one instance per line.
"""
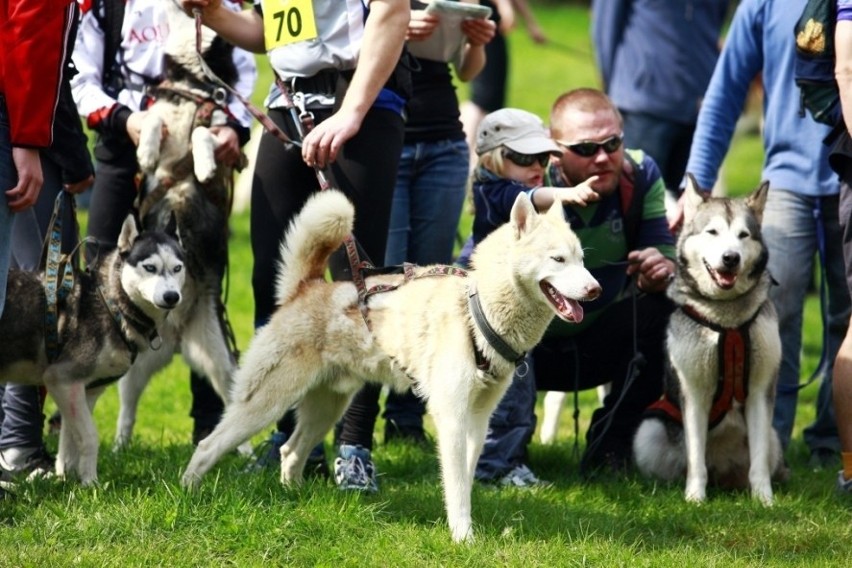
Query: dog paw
x=203 y=159
x=695 y=495
x=462 y=533
x=190 y=481
x=764 y=495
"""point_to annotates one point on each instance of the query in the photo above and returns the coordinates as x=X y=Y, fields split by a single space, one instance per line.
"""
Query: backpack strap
x=631 y=208
x=110 y=17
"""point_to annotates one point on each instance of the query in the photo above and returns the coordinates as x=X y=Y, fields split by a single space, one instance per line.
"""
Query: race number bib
x=288 y=21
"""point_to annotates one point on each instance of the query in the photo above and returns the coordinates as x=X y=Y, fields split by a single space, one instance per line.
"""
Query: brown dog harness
x=733 y=348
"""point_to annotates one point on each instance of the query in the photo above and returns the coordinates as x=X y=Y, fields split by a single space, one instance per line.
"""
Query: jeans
x=21 y=417
x=790 y=232
x=510 y=429
x=8 y=180
x=666 y=141
x=427 y=203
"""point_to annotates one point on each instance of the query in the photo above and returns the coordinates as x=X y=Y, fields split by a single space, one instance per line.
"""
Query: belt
x=324 y=82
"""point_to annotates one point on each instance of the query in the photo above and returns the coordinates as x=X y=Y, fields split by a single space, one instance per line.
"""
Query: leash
x=633 y=368
x=261 y=117
x=58 y=274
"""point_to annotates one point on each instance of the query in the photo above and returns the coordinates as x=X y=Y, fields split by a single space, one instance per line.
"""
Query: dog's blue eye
x=150 y=268
x=178 y=268
x=559 y=259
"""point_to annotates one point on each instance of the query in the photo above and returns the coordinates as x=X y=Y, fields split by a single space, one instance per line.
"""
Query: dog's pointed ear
x=129 y=233
x=756 y=201
x=693 y=196
x=523 y=215
x=171 y=227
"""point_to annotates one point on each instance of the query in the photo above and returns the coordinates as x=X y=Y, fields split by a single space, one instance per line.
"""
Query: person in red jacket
x=32 y=56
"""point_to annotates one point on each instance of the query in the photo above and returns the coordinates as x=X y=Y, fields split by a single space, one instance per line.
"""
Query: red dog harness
x=733 y=348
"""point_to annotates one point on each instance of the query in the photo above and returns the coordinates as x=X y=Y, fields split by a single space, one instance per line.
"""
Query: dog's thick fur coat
x=141 y=280
x=721 y=281
x=317 y=351
x=183 y=178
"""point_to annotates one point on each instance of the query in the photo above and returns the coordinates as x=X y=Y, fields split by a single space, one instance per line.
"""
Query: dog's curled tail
x=316 y=232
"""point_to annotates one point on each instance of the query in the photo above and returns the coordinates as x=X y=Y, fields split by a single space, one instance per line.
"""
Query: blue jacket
x=656 y=56
x=760 y=40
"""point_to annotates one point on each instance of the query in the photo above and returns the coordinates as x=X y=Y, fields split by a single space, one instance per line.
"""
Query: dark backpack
x=814 y=62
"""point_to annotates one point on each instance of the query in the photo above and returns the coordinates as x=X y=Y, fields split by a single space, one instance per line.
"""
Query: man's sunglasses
x=589 y=149
x=526 y=160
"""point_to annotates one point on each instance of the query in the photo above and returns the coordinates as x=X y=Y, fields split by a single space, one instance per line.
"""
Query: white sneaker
x=521 y=476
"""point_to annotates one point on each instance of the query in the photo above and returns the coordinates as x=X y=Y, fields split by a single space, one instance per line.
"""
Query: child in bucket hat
x=514 y=150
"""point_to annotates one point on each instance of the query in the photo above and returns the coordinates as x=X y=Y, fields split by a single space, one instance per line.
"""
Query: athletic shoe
x=26 y=462
x=844 y=486
x=521 y=476
x=268 y=454
x=354 y=469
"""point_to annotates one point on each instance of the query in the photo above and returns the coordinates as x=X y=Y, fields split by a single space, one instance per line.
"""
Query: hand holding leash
x=654 y=271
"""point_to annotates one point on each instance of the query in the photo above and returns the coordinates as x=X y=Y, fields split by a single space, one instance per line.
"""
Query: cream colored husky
x=317 y=350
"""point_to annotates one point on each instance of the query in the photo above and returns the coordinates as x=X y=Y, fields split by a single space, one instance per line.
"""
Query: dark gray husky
x=111 y=314
x=183 y=178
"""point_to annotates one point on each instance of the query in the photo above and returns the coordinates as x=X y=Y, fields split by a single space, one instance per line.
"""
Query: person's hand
x=80 y=186
x=580 y=195
x=421 y=26
x=30 y=179
x=322 y=144
x=205 y=6
x=478 y=31
x=654 y=270
x=227 y=145
x=676 y=218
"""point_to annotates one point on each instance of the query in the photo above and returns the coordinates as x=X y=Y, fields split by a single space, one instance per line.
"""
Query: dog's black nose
x=731 y=259
x=171 y=298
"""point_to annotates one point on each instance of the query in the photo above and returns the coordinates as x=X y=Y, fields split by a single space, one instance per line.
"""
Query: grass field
x=139 y=516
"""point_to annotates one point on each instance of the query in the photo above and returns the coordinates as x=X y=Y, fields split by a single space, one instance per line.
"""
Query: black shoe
x=406 y=434
x=824 y=458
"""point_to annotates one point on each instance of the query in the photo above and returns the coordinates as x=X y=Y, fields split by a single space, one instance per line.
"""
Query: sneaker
x=521 y=476
x=405 y=434
x=268 y=454
x=844 y=486
x=26 y=462
x=607 y=462
x=823 y=458
x=354 y=469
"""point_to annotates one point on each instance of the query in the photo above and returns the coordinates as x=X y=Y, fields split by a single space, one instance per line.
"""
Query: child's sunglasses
x=526 y=160
x=589 y=149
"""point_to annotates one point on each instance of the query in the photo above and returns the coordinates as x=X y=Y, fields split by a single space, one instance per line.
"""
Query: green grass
x=139 y=516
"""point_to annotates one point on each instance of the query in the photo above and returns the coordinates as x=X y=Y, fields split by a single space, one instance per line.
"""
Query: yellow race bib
x=288 y=21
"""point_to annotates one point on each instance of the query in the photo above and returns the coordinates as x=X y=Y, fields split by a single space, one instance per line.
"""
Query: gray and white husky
x=183 y=178
x=111 y=314
x=714 y=422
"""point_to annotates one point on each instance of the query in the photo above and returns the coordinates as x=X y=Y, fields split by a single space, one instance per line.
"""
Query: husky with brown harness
x=714 y=423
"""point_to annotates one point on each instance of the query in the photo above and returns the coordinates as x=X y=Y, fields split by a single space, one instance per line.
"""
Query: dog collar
x=492 y=337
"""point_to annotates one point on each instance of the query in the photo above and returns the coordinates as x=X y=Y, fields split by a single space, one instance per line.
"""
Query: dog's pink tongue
x=726 y=280
x=572 y=311
x=568 y=309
